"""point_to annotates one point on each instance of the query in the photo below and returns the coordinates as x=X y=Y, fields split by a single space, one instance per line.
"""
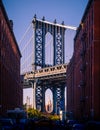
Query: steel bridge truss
x=41 y=28
x=53 y=77
x=50 y=77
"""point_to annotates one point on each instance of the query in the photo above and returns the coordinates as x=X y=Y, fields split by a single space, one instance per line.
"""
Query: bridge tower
x=41 y=28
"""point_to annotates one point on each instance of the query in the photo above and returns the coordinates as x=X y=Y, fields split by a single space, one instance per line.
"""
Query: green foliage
x=33 y=113
x=54 y=117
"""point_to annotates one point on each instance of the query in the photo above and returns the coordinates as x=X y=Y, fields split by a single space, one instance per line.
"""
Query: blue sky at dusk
x=22 y=12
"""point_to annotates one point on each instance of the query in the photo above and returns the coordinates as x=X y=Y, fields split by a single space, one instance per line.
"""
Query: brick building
x=10 y=88
x=85 y=94
x=69 y=79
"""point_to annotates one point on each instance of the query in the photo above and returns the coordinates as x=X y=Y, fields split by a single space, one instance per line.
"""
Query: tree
x=33 y=113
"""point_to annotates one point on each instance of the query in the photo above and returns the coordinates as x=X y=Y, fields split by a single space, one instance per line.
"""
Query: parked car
x=6 y=124
x=78 y=127
x=70 y=123
x=94 y=125
x=43 y=123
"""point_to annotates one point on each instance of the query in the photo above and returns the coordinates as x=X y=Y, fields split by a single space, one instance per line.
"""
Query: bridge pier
x=43 y=99
x=34 y=93
x=51 y=75
x=53 y=78
x=54 y=101
x=58 y=97
x=62 y=102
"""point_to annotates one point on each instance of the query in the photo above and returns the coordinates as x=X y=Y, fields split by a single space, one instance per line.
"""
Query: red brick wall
x=10 y=88
x=69 y=85
x=86 y=65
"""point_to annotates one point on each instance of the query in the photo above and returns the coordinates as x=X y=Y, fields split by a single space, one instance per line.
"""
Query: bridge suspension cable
x=30 y=25
x=60 y=25
x=26 y=47
x=56 y=74
x=27 y=58
x=27 y=44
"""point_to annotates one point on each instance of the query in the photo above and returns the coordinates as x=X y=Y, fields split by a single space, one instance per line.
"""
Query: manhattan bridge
x=43 y=63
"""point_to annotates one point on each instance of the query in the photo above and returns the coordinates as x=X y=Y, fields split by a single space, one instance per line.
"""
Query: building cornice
x=83 y=18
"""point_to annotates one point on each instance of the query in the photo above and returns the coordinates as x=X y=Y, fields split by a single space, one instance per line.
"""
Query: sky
x=22 y=12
